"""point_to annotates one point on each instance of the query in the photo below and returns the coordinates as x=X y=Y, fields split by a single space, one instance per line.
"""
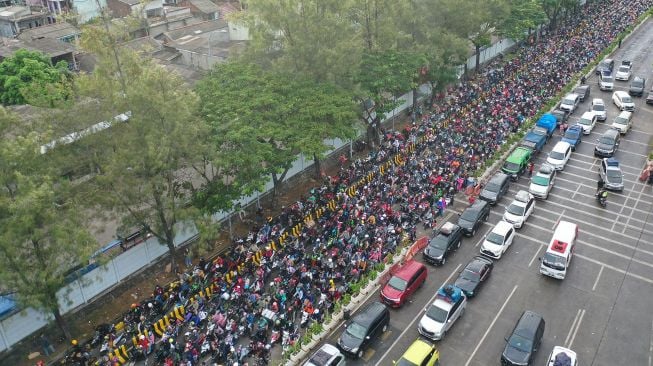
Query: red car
x=403 y=283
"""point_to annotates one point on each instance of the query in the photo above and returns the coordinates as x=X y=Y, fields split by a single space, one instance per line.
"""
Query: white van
x=558 y=254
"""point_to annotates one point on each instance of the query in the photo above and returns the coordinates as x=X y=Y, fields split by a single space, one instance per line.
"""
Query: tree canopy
x=29 y=76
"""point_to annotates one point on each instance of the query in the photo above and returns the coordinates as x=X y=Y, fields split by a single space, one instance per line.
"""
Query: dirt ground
x=111 y=305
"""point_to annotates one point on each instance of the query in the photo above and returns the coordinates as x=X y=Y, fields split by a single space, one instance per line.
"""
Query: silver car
x=610 y=173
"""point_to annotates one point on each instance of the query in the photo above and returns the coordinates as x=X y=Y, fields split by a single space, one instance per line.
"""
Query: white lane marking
x=596 y=282
x=576 y=157
x=622 y=209
x=482 y=237
x=573 y=325
x=620 y=151
x=487 y=331
x=580 y=319
x=639 y=197
x=410 y=326
x=537 y=252
x=559 y=218
x=576 y=191
x=650 y=348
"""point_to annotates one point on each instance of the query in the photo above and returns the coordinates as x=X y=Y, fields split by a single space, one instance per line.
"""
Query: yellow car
x=420 y=353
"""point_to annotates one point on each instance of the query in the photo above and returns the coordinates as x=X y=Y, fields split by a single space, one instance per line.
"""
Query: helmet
x=170 y=340
x=141 y=337
x=149 y=305
x=74 y=342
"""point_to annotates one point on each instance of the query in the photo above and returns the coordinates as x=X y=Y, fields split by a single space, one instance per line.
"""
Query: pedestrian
x=241 y=211
x=48 y=348
x=582 y=80
x=620 y=39
x=599 y=185
x=531 y=166
x=188 y=260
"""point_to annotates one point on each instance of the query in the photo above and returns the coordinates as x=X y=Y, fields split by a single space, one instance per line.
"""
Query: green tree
x=42 y=233
x=161 y=157
x=525 y=15
x=262 y=120
x=313 y=38
x=29 y=76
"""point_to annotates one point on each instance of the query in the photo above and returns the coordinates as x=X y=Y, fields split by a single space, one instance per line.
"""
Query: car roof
x=558 y=349
x=448 y=228
x=588 y=115
x=477 y=205
x=638 y=78
x=417 y=351
x=366 y=316
x=561 y=146
x=408 y=269
x=527 y=324
x=625 y=114
x=620 y=93
x=546 y=169
x=597 y=101
x=498 y=178
x=519 y=154
x=575 y=127
x=323 y=355
x=502 y=227
x=611 y=162
x=606 y=73
x=522 y=196
x=571 y=95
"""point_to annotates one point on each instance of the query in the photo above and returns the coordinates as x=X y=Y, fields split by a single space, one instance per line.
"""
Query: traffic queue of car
x=451 y=300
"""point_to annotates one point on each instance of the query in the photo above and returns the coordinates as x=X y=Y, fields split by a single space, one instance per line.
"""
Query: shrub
x=346 y=299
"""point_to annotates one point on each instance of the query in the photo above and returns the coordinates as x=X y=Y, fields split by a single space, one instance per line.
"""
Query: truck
x=549 y=122
x=534 y=141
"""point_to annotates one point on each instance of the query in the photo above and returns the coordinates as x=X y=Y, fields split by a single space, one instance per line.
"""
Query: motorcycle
x=601 y=198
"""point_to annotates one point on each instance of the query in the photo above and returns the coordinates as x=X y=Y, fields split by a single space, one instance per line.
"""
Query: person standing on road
x=48 y=349
x=531 y=166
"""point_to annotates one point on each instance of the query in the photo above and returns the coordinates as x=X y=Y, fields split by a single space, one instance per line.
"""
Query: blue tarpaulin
x=7 y=304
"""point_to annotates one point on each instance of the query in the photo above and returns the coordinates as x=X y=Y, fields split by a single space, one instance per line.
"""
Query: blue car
x=573 y=136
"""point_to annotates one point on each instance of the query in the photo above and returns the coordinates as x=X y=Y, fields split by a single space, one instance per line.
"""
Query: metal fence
x=90 y=286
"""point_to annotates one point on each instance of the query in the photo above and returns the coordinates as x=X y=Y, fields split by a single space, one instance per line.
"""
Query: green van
x=516 y=163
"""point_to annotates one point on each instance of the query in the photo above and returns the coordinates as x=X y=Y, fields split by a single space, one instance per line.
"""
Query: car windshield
x=607 y=140
x=568 y=101
x=439 y=242
x=494 y=238
x=598 y=107
x=571 y=134
x=515 y=209
x=470 y=275
x=585 y=121
x=540 y=180
x=626 y=99
x=437 y=314
x=356 y=330
x=404 y=362
x=638 y=84
x=492 y=187
x=554 y=261
x=520 y=343
x=397 y=283
x=469 y=215
x=557 y=155
x=607 y=79
x=511 y=167
x=614 y=175
x=621 y=121
x=623 y=68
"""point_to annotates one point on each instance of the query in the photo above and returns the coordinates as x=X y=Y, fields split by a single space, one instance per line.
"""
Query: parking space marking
x=558 y=220
x=650 y=349
x=635 y=183
x=630 y=192
x=574 y=328
x=537 y=252
x=621 y=151
x=596 y=282
x=639 y=197
x=410 y=326
x=576 y=157
x=487 y=331
x=482 y=237
x=634 y=142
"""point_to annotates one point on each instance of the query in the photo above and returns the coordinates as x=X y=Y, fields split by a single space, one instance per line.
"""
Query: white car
x=598 y=107
x=623 y=122
x=623 y=101
x=542 y=181
x=498 y=240
x=449 y=305
x=570 y=102
x=623 y=73
x=559 y=156
x=587 y=121
x=520 y=209
x=562 y=356
x=327 y=355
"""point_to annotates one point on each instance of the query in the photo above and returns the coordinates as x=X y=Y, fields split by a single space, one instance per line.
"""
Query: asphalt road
x=603 y=309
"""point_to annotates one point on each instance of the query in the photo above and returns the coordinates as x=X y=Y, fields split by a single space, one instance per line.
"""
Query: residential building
x=15 y=18
x=61 y=31
x=146 y=8
x=55 y=49
x=202 y=9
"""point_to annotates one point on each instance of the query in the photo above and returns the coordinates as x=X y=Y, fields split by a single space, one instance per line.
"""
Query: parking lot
x=602 y=310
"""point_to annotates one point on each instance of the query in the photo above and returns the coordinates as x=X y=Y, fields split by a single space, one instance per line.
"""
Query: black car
x=473 y=217
x=524 y=340
x=605 y=65
x=472 y=278
x=495 y=188
x=561 y=115
x=365 y=326
x=607 y=144
x=637 y=86
x=446 y=241
x=583 y=92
